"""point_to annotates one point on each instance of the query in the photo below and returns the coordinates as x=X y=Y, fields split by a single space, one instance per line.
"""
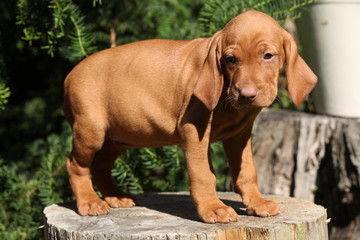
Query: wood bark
x=173 y=216
x=312 y=157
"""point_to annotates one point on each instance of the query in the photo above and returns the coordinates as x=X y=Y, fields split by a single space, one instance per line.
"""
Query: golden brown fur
x=163 y=92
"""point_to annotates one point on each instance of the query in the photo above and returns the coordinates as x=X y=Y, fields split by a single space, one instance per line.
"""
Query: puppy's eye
x=268 y=56
x=231 y=59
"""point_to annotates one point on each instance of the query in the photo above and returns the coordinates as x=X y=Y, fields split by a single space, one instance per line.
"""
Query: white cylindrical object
x=330 y=35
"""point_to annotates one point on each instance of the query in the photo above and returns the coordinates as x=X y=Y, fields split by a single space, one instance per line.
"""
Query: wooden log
x=312 y=157
x=173 y=216
x=290 y=146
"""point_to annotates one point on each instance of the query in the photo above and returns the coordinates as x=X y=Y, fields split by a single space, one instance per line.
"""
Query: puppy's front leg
x=195 y=131
x=239 y=154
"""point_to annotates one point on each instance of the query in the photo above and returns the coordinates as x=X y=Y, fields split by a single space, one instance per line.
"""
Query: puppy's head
x=245 y=58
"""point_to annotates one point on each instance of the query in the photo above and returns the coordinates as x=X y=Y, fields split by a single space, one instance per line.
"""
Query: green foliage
x=161 y=169
x=216 y=13
x=26 y=193
x=4 y=90
x=96 y=1
x=66 y=29
x=17 y=214
x=4 y=95
x=66 y=21
x=81 y=39
x=123 y=174
x=27 y=16
x=54 y=185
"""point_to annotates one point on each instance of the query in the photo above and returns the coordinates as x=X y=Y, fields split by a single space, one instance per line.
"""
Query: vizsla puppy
x=163 y=92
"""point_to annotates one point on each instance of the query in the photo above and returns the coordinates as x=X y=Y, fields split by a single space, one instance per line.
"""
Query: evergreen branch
x=96 y=1
x=53 y=174
x=27 y=20
x=63 y=13
x=81 y=40
x=4 y=95
x=4 y=90
x=216 y=13
x=79 y=36
x=125 y=178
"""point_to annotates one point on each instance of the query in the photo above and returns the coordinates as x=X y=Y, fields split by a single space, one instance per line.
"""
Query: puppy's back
x=135 y=89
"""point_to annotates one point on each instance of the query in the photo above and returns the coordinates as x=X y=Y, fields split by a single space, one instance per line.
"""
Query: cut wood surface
x=173 y=216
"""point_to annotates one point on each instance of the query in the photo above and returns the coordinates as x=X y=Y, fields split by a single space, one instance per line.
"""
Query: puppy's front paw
x=262 y=208
x=123 y=201
x=218 y=213
x=93 y=207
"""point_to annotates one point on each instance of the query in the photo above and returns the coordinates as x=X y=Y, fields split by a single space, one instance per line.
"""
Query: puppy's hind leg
x=87 y=140
x=101 y=171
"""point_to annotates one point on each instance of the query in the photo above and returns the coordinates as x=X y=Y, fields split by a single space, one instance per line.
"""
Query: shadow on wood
x=164 y=203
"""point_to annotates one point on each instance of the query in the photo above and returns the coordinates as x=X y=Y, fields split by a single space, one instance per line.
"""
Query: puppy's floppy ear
x=210 y=82
x=301 y=80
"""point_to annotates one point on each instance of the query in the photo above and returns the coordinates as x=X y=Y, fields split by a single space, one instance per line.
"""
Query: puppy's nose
x=248 y=92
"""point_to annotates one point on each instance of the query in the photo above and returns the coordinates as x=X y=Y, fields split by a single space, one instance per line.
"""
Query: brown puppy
x=162 y=92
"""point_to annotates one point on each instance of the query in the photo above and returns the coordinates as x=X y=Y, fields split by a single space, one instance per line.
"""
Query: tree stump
x=173 y=216
x=312 y=157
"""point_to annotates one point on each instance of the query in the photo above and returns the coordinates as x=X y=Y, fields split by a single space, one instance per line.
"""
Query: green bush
x=26 y=190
